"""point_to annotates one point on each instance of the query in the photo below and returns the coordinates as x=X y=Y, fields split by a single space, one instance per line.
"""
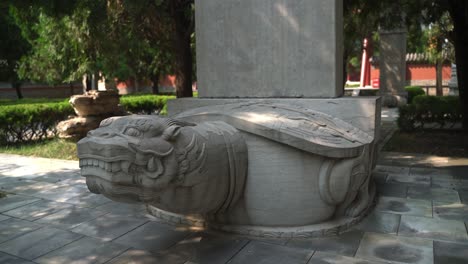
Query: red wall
x=419 y=72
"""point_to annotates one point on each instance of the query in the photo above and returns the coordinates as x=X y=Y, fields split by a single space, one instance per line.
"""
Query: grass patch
x=51 y=148
x=2 y=194
x=432 y=142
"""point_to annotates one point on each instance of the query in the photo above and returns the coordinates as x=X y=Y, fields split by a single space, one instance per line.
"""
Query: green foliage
x=426 y=110
x=31 y=101
x=413 y=91
x=26 y=122
x=35 y=119
x=146 y=104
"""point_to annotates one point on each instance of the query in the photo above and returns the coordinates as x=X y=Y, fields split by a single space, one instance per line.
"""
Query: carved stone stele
x=252 y=168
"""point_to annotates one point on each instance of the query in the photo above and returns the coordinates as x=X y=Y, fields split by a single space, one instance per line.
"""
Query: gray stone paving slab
x=452 y=184
x=404 y=206
x=259 y=252
x=123 y=208
x=380 y=177
x=208 y=248
x=14 y=201
x=36 y=210
x=70 y=217
x=29 y=187
x=392 y=190
x=89 y=199
x=436 y=194
x=62 y=193
x=392 y=169
x=83 y=251
x=395 y=249
x=463 y=195
x=38 y=243
x=427 y=171
x=380 y=223
x=9 y=259
x=136 y=256
x=16 y=227
x=108 y=227
x=345 y=244
x=80 y=181
x=437 y=229
x=3 y=217
x=327 y=258
x=152 y=236
x=57 y=177
x=418 y=180
x=451 y=211
x=450 y=253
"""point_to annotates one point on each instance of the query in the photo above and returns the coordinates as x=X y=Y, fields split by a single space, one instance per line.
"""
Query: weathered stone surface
x=452 y=253
x=395 y=249
x=91 y=108
x=140 y=159
x=404 y=206
x=96 y=103
x=362 y=112
x=437 y=229
x=83 y=251
x=276 y=48
x=258 y=252
x=38 y=243
x=173 y=165
x=78 y=127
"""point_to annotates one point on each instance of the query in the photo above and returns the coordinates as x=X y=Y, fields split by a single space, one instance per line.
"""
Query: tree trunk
x=95 y=81
x=458 y=10
x=155 y=80
x=17 y=86
x=439 y=88
x=183 y=51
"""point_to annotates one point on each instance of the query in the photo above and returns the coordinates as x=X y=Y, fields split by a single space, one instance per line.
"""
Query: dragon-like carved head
x=159 y=161
x=137 y=152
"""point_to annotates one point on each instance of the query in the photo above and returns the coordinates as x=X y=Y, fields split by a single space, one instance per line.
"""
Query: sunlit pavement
x=49 y=216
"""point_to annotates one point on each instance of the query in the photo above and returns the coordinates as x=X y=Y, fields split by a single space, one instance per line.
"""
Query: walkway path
x=49 y=216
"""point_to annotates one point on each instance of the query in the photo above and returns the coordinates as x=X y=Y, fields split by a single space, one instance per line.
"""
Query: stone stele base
x=271 y=210
x=273 y=167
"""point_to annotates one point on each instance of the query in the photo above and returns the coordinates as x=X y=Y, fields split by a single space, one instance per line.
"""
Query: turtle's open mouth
x=97 y=166
x=120 y=193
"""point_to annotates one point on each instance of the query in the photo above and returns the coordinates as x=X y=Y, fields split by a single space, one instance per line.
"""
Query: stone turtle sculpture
x=258 y=169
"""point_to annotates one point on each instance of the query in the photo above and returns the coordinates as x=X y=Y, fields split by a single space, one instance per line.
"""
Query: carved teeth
x=115 y=166
x=125 y=165
x=101 y=164
x=96 y=163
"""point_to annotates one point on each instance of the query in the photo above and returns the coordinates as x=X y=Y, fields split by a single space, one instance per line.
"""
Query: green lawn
x=51 y=148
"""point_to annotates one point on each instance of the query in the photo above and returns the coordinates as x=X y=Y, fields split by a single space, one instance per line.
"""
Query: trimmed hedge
x=26 y=122
x=146 y=104
x=32 y=119
x=439 y=110
x=413 y=91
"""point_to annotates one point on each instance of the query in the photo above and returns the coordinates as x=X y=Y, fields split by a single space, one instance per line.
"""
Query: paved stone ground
x=49 y=216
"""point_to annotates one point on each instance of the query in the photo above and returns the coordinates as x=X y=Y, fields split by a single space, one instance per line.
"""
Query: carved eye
x=106 y=122
x=133 y=132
